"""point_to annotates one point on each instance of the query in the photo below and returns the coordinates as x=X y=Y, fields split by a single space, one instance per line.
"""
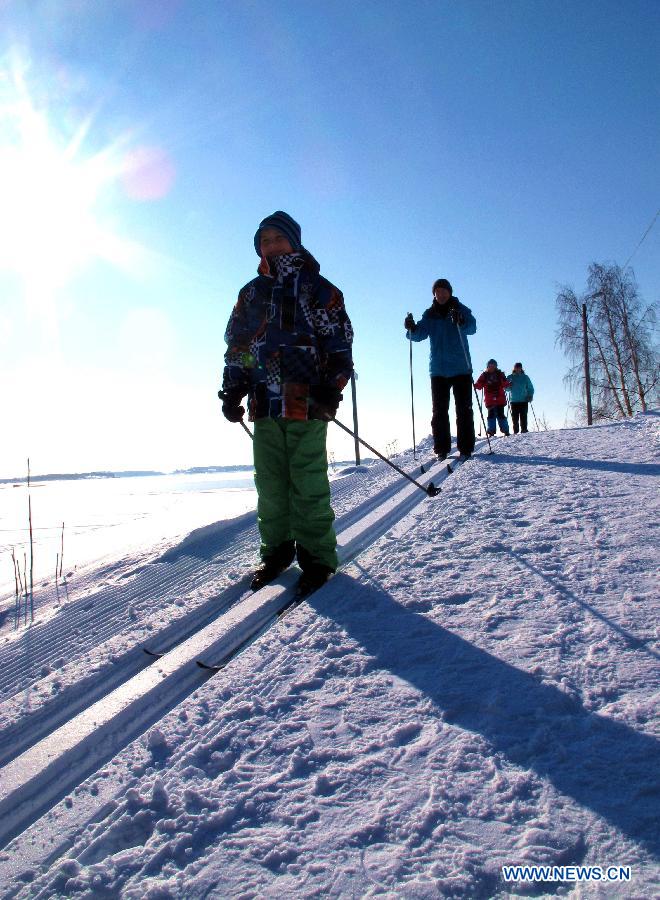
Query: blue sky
x=503 y=145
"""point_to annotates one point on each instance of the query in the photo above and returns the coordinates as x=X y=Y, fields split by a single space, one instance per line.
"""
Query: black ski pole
x=534 y=414
x=431 y=490
x=476 y=394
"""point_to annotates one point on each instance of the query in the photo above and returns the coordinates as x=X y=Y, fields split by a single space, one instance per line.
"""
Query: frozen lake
x=106 y=518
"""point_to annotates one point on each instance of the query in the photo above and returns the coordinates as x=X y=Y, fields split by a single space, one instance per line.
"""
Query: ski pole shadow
x=631 y=640
x=568 y=462
x=602 y=764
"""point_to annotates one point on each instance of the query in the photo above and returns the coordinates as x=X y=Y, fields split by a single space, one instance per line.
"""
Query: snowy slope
x=476 y=688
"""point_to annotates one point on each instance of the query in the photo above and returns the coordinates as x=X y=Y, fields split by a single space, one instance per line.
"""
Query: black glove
x=231 y=404
x=409 y=323
x=325 y=401
x=455 y=313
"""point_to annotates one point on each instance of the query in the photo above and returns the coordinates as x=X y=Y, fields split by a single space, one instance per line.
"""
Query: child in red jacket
x=493 y=381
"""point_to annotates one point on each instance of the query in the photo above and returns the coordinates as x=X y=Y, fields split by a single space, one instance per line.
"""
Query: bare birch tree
x=623 y=350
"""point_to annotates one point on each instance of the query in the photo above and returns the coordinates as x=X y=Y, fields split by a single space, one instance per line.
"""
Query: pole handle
x=222 y=395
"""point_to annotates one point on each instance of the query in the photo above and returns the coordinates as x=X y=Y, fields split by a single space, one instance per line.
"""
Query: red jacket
x=493 y=384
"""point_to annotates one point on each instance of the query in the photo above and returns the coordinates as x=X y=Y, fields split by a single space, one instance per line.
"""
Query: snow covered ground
x=476 y=688
x=109 y=518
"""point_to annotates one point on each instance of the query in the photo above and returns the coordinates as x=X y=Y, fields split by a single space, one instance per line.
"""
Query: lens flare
x=55 y=211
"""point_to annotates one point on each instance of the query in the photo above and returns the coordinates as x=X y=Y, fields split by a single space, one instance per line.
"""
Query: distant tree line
x=623 y=363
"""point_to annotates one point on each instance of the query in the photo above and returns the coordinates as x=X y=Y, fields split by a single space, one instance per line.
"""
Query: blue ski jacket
x=447 y=355
x=521 y=389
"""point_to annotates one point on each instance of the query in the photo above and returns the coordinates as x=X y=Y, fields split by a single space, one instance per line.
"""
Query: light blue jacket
x=521 y=388
x=448 y=357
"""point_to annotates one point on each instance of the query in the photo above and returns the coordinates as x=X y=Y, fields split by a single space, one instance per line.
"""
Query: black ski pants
x=440 y=388
x=519 y=416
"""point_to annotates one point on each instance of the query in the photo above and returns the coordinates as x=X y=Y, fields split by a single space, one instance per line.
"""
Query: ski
x=424 y=467
x=294 y=602
x=292 y=597
x=217 y=667
x=461 y=458
x=298 y=598
x=208 y=668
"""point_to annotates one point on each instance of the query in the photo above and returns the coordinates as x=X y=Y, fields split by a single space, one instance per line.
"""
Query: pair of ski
x=461 y=458
x=289 y=600
x=299 y=596
x=292 y=601
x=450 y=462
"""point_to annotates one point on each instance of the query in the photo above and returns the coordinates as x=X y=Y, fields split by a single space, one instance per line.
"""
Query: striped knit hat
x=285 y=225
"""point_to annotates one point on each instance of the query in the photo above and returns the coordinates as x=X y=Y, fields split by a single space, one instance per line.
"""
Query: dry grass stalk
x=31 y=547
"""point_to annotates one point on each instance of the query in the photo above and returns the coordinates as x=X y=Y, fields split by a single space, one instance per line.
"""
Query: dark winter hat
x=443 y=283
x=283 y=223
x=492 y=362
x=517 y=365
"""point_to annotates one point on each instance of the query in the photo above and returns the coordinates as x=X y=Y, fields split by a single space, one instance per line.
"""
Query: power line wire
x=642 y=238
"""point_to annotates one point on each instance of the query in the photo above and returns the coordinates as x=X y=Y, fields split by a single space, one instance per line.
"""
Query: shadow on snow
x=630 y=639
x=569 y=462
x=602 y=764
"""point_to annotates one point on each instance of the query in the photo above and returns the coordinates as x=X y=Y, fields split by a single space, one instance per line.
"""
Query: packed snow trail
x=91 y=645
x=46 y=772
x=476 y=689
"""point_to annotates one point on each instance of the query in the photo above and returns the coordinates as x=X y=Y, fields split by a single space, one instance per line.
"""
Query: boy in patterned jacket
x=289 y=350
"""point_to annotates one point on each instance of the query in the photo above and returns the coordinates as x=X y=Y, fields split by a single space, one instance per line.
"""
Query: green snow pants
x=291 y=475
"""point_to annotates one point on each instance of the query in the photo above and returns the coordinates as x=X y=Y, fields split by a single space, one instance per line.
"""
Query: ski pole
x=476 y=393
x=431 y=490
x=412 y=396
x=479 y=427
x=534 y=414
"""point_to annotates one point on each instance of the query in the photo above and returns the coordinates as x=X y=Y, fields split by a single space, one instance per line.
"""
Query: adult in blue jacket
x=521 y=393
x=446 y=323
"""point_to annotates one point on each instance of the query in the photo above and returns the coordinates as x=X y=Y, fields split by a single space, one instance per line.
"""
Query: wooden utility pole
x=587 y=371
x=355 y=420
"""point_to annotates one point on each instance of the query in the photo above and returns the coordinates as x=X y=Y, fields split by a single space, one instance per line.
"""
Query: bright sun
x=50 y=193
x=47 y=223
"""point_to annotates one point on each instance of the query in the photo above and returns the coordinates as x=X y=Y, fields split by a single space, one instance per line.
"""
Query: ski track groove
x=55 y=637
x=22 y=661
x=188 y=683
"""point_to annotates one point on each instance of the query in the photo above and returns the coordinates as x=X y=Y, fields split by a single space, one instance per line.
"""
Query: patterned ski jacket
x=493 y=384
x=289 y=330
x=447 y=353
x=521 y=389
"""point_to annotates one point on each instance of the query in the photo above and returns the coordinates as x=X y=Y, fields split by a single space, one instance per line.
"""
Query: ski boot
x=273 y=565
x=314 y=577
